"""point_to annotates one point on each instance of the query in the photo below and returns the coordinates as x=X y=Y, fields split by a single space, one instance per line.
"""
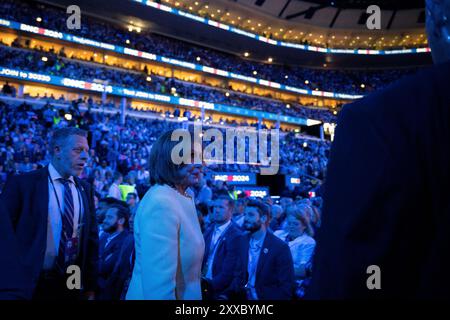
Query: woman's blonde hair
x=300 y=212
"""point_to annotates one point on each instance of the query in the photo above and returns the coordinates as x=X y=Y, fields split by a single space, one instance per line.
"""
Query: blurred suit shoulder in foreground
x=386 y=199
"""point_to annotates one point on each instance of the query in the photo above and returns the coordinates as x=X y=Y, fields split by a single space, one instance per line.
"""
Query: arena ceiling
x=399 y=28
x=362 y=4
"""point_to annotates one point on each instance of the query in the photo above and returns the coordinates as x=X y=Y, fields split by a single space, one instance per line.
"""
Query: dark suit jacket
x=119 y=278
x=274 y=273
x=109 y=257
x=25 y=199
x=225 y=258
x=13 y=278
x=386 y=200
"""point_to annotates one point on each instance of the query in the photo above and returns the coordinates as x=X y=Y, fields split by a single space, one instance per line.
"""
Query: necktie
x=66 y=249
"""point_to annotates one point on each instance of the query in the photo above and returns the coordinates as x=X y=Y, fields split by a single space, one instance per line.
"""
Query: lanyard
x=59 y=204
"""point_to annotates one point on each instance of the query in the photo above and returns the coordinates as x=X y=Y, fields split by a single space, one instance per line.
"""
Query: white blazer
x=169 y=248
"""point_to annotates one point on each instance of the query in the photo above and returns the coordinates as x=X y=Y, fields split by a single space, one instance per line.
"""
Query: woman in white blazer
x=169 y=244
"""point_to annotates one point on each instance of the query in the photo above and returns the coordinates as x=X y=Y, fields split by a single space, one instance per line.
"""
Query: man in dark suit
x=115 y=227
x=52 y=214
x=265 y=269
x=123 y=270
x=220 y=248
x=386 y=215
x=13 y=281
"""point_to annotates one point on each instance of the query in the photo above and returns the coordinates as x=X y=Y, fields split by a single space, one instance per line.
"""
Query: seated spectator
x=301 y=244
x=220 y=249
x=114 y=190
x=115 y=227
x=204 y=193
x=239 y=212
x=143 y=176
x=132 y=203
x=278 y=217
x=204 y=217
x=265 y=267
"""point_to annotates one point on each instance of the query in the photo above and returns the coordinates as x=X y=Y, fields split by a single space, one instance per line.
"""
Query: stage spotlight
x=68 y=116
x=38 y=19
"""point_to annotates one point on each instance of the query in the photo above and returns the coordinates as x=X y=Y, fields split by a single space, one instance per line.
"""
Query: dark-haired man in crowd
x=265 y=269
x=114 y=190
x=52 y=213
x=220 y=248
x=115 y=227
x=132 y=203
x=239 y=210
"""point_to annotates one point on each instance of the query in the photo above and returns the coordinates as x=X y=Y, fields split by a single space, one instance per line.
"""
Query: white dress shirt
x=217 y=233
x=239 y=220
x=54 y=222
x=114 y=192
x=254 y=252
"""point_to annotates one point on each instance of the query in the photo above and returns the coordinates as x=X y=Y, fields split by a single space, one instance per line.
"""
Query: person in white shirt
x=301 y=244
x=114 y=190
x=169 y=244
x=205 y=193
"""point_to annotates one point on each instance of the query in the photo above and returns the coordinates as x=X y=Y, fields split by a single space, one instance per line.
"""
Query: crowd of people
x=125 y=148
x=53 y=64
x=103 y=194
x=343 y=81
x=118 y=170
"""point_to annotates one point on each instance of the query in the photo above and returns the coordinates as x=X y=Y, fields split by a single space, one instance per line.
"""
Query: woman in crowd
x=302 y=245
x=168 y=238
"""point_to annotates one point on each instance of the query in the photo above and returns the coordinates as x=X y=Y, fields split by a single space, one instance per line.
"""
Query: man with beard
x=265 y=266
x=115 y=227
